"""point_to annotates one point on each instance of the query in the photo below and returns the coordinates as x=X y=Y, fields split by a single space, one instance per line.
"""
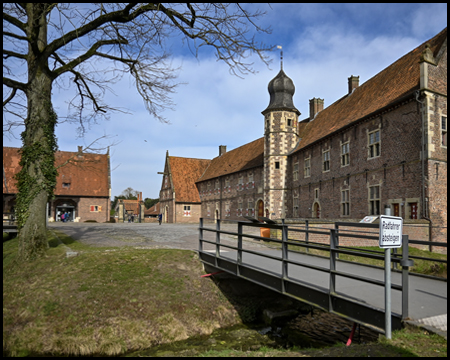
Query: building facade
x=83 y=185
x=381 y=148
x=179 y=198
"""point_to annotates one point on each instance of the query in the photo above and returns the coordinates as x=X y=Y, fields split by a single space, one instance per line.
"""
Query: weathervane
x=281 y=55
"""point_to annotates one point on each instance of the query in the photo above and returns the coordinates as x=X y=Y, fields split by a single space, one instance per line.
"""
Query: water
x=254 y=336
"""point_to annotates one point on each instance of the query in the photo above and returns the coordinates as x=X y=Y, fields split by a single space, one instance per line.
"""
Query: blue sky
x=323 y=45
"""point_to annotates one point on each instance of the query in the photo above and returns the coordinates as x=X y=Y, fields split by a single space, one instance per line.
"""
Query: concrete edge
x=429 y=328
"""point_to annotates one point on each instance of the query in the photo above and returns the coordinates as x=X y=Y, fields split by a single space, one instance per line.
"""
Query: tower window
x=289 y=122
x=277 y=165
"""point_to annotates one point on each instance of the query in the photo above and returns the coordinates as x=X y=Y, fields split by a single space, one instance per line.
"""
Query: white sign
x=391 y=228
x=369 y=219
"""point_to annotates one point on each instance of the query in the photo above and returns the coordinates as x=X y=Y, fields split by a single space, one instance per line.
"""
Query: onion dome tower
x=280 y=138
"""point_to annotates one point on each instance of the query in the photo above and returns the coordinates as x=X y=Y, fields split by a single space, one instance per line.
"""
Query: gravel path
x=148 y=235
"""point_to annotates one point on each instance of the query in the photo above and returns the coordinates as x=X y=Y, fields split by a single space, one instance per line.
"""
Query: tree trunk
x=37 y=178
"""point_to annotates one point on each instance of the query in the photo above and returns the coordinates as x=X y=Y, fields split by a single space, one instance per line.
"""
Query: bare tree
x=90 y=47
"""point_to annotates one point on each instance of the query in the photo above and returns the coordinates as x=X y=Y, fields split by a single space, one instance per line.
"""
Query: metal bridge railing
x=288 y=284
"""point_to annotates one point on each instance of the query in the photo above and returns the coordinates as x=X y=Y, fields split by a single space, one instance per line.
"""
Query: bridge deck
x=307 y=278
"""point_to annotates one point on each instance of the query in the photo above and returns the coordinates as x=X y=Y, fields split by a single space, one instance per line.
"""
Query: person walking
x=160 y=218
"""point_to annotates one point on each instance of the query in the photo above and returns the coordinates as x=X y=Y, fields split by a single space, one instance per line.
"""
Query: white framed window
x=295 y=174
x=345 y=202
x=345 y=154
x=227 y=209
x=187 y=210
x=444 y=131
x=374 y=143
x=374 y=200
x=326 y=160
x=307 y=170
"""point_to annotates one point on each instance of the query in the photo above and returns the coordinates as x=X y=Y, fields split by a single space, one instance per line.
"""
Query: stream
x=315 y=330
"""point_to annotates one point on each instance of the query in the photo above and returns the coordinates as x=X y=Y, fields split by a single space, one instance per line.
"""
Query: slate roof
x=87 y=174
x=185 y=172
x=242 y=158
x=395 y=82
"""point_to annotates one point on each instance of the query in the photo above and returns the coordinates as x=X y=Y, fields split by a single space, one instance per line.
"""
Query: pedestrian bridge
x=288 y=266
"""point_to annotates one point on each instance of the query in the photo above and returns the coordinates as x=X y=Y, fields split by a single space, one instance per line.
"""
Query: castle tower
x=280 y=122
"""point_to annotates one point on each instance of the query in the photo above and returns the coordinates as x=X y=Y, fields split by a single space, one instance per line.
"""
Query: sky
x=323 y=45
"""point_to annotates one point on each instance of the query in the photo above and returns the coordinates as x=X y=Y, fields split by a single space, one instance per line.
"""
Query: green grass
x=106 y=301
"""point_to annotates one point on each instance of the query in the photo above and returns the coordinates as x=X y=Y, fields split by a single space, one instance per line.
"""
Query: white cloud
x=323 y=45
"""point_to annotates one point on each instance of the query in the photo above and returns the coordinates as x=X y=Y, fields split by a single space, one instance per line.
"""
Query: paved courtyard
x=147 y=235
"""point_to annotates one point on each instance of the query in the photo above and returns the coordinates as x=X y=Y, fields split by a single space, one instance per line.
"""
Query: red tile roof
x=242 y=158
x=393 y=83
x=84 y=175
x=185 y=172
x=131 y=205
x=154 y=210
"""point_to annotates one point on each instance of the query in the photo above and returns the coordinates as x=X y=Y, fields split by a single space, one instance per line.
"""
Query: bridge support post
x=200 y=236
x=307 y=235
x=217 y=240
x=284 y=257
x=406 y=263
x=239 y=252
x=333 y=243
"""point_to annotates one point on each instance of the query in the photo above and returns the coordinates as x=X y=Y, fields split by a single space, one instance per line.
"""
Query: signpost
x=391 y=228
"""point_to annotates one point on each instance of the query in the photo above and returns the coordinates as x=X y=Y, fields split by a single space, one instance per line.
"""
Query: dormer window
x=66 y=185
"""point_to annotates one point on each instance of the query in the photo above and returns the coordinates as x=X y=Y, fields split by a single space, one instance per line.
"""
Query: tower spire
x=281 y=56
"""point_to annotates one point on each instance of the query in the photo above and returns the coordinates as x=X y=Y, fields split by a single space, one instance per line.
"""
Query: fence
x=281 y=281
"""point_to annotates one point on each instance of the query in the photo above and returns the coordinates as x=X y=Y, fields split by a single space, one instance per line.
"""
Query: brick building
x=179 y=198
x=382 y=146
x=83 y=185
x=130 y=210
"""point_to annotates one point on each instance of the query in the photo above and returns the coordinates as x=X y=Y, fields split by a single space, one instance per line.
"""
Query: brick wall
x=85 y=213
x=231 y=195
x=184 y=218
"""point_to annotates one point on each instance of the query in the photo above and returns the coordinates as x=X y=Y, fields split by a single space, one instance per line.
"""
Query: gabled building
x=83 y=185
x=381 y=148
x=153 y=211
x=129 y=209
x=179 y=198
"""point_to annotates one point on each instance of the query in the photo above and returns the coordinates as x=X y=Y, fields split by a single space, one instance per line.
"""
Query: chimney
x=353 y=83
x=222 y=149
x=315 y=105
